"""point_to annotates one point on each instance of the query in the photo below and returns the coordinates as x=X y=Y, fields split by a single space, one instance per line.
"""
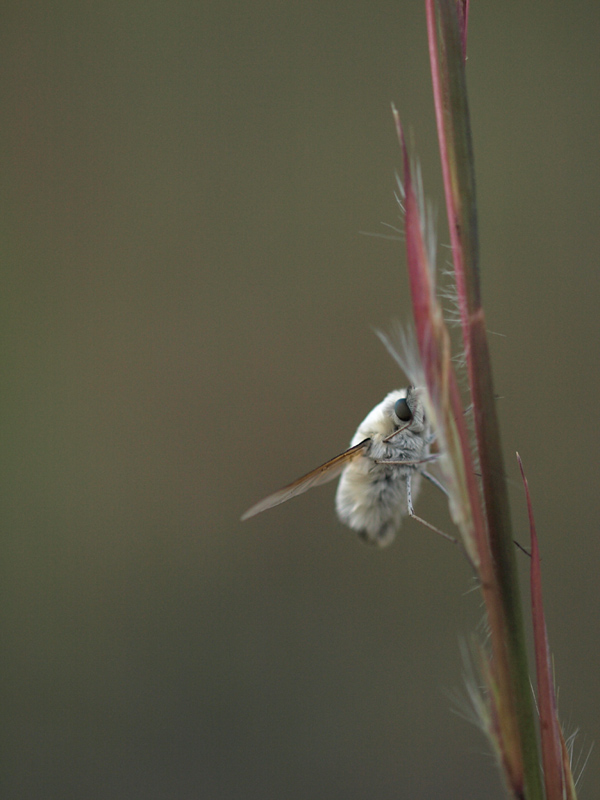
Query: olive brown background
x=188 y=307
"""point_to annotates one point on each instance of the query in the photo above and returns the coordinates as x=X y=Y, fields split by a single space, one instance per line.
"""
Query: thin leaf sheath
x=550 y=735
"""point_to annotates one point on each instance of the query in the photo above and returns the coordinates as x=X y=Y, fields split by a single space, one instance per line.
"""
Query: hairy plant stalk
x=479 y=509
x=446 y=20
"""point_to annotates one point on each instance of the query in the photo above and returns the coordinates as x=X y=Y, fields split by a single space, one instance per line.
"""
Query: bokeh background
x=187 y=306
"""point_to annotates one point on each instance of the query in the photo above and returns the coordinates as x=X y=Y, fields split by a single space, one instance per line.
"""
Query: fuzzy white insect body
x=372 y=497
x=380 y=472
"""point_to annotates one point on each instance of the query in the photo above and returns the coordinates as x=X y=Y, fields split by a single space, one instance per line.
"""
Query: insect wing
x=326 y=472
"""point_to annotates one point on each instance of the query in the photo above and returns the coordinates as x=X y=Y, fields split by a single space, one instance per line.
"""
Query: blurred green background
x=188 y=306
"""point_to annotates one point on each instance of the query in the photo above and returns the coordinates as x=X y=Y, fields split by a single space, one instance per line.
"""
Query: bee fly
x=381 y=472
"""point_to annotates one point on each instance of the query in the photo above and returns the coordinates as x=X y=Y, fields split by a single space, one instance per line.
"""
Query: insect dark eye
x=402 y=411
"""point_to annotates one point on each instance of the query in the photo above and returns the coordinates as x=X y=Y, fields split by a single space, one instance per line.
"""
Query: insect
x=381 y=472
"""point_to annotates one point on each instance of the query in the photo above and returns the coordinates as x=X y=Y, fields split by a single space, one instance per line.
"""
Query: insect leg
x=524 y=549
x=411 y=513
x=394 y=463
x=435 y=482
x=422 y=472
